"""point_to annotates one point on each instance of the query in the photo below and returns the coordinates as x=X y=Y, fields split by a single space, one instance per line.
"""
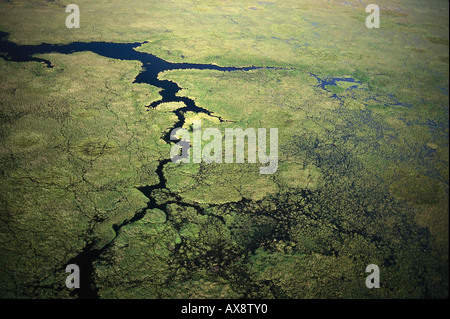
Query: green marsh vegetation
x=362 y=176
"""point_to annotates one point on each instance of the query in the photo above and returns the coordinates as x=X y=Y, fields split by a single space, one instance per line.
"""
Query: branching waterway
x=152 y=66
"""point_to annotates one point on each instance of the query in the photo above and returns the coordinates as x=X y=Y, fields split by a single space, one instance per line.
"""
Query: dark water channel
x=152 y=66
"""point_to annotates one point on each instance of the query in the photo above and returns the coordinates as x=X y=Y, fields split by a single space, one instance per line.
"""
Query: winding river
x=152 y=67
